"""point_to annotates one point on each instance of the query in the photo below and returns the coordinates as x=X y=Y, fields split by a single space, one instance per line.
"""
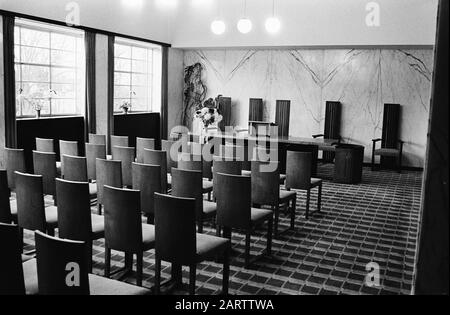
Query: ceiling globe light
x=273 y=25
x=218 y=27
x=244 y=25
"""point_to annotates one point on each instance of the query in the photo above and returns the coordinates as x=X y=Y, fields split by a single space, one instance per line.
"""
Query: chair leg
x=319 y=198
x=200 y=226
x=129 y=261
x=157 y=275
x=226 y=233
x=51 y=231
x=192 y=276
x=209 y=196
x=308 y=198
x=269 y=236
x=139 y=268
x=293 y=209
x=399 y=163
x=90 y=262
x=373 y=158
x=247 y=248
x=226 y=272
x=277 y=218
x=107 y=262
x=99 y=208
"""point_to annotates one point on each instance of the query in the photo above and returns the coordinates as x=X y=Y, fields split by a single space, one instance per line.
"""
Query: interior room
x=212 y=147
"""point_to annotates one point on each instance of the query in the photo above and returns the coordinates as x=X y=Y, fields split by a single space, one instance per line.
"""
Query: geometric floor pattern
x=373 y=222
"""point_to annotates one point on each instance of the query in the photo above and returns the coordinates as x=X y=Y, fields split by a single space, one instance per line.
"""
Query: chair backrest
x=265 y=183
x=45 y=145
x=141 y=145
x=74 y=210
x=238 y=152
x=5 y=208
x=15 y=161
x=119 y=141
x=192 y=162
x=62 y=267
x=225 y=167
x=166 y=145
x=94 y=152
x=154 y=157
x=197 y=149
x=188 y=184
x=298 y=170
x=282 y=117
x=75 y=168
x=265 y=154
x=123 y=223
x=30 y=202
x=233 y=195
x=109 y=173
x=11 y=271
x=175 y=229
x=147 y=179
x=97 y=139
x=67 y=148
x=126 y=156
x=44 y=164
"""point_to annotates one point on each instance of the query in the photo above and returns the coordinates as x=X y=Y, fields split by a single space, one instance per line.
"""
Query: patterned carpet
x=376 y=221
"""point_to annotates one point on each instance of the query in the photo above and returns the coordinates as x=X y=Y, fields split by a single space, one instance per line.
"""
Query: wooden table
x=283 y=144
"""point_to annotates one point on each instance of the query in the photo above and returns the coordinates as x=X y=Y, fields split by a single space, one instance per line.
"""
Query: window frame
x=78 y=48
x=150 y=74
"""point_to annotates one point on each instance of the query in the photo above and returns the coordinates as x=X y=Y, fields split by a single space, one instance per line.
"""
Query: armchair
x=388 y=152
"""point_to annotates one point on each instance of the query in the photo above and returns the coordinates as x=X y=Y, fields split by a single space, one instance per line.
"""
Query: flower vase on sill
x=209 y=117
x=125 y=107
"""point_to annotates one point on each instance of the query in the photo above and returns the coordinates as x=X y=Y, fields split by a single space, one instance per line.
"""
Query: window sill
x=47 y=117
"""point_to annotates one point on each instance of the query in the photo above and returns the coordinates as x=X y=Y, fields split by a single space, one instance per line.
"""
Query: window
x=137 y=76
x=50 y=69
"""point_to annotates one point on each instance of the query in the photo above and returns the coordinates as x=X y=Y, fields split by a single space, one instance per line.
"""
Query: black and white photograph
x=224 y=155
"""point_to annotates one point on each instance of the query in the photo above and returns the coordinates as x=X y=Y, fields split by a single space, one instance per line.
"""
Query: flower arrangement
x=36 y=98
x=209 y=113
x=126 y=106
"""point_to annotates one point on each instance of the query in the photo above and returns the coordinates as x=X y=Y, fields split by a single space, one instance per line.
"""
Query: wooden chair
x=75 y=221
x=147 y=179
x=198 y=149
x=185 y=246
x=239 y=153
x=56 y=258
x=234 y=210
x=188 y=184
x=264 y=154
x=126 y=156
x=75 y=170
x=67 y=148
x=15 y=162
x=230 y=167
x=94 y=152
x=31 y=211
x=141 y=145
x=124 y=230
x=109 y=173
x=193 y=162
x=266 y=191
x=97 y=139
x=298 y=172
x=154 y=157
x=44 y=164
x=119 y=141
x=12 y=272
x=45 y=145
x=391 y=150
x=6 y=216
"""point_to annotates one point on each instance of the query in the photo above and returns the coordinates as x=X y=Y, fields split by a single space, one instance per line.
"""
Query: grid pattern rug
x=375 y=221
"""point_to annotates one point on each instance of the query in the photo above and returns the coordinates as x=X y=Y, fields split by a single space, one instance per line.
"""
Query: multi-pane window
x=50 y=69
x=137 y=76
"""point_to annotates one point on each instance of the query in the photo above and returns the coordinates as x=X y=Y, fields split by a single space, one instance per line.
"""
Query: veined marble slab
x=363 y=80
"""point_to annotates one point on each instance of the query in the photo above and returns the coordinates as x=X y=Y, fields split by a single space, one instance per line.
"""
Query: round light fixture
x=218 y=27
x=244 y=25
x=273 y=25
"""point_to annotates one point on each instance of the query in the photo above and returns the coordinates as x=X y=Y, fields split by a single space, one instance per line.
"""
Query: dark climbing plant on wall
x=194 y=92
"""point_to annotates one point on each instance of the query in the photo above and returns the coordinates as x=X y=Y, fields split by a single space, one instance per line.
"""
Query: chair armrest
x=318 y=136
x=376 y=140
